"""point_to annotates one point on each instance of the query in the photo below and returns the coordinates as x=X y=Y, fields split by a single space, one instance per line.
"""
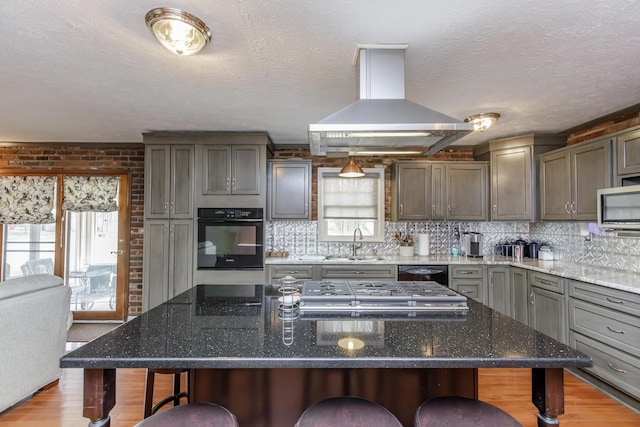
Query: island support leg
x=547 y=391
x=99 y=396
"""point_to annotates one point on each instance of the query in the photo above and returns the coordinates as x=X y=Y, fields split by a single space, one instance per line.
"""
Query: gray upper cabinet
x=454 y=191
x=289 y=189
x=412 y=186
x=514 y=174
x=570 y=178
x=231 y=169
x=466 y=195
x=628 y=153
x=169 y=181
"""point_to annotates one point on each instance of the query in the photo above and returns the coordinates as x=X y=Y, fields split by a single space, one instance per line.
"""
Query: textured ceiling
x=90 y=70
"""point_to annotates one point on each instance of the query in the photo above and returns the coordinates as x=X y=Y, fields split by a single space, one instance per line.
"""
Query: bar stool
x=347 y=411
x=192 y=415
x=454 y=411
x=149 y=409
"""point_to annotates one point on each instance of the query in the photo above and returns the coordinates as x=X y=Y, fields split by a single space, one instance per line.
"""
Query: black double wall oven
x=230 y=239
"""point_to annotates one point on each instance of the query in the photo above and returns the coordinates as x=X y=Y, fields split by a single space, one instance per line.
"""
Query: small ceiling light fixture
x=179 y=31
x=482 y=122
x=351 y=170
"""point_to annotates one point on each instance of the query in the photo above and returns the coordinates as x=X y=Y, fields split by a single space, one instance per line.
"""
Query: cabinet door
x=216 y=177
x=181 y=250
x=518 y=285
x=547 y=313
x=499 y=289
x=591 y=170
x=467 y=192
x=155 y=286
x=290 y=190
x=413 y=191
x=628 y=153
x=511 y=190
x=245 y=169
x=555 y=186
x=182 y=157
x=438 y=192
x=157 y=177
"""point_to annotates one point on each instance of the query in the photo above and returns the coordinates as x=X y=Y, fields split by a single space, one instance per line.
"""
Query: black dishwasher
x=424 y=273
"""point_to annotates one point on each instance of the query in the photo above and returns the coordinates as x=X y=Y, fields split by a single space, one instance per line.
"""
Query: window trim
x=379 y=233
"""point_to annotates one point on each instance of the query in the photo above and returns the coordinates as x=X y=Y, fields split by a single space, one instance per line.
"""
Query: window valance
x=27 y=199
x=91 y=193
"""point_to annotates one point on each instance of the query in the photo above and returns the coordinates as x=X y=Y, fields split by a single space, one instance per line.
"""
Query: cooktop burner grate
x=379 y=296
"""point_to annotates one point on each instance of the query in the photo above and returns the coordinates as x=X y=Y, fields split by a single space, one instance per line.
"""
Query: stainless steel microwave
x=619 y=208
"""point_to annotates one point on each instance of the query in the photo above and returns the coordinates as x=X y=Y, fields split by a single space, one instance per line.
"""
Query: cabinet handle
x=166 y=207
x=172 y=207
x=546 y=282
x=573 y=207
x=615 y=301
x=465 y=272
x=622 y=371
x=306 y=209
x=233 y=184
x=466 y=292
x=491 y=278
x=615 y=331
x=448 y=209
x=433 y=209
x=291 y=272
x=401 y=209
x=495 y=209
x=566 y=208
x=357 y=272
x=226 y=185
x=531 y=299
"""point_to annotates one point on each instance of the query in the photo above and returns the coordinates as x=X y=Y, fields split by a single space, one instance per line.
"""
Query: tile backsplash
x=566 y=238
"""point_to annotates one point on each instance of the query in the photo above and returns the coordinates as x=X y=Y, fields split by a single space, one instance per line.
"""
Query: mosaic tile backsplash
x=571 y=241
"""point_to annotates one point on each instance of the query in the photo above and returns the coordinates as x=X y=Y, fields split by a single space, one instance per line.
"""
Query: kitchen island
x=267 y=366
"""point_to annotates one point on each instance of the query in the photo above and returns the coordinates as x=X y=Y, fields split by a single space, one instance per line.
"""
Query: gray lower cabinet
x=168 y=260
x=605 y=324
x=469 y=280
x=300 y=272
x=499 y=289
x=570 y=178
x=547 y=305
x=289 y=189
x=358 y=272
x=518 y=286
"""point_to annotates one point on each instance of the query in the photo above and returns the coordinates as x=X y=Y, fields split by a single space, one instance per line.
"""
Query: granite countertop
x=202 y=329
x=616 y=279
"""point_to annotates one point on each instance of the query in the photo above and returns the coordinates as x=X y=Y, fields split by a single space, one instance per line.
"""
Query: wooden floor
x=509 y=389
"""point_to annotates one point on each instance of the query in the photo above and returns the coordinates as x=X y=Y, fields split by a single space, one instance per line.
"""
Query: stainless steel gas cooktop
x=378 y=296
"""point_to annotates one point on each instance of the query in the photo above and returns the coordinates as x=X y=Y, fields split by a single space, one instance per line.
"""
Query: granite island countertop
x=241 y=326
x=608 y=277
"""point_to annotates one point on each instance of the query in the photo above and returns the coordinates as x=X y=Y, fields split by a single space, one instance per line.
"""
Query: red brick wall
x=93 y=157
x=605 y=128
x=364 y=162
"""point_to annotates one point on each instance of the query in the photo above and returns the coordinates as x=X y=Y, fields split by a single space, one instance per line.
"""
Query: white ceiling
x=91 y=71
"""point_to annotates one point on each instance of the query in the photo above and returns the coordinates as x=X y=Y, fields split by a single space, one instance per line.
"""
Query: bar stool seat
x=454 y=411
x=149 y=408
x=347 y=411
x=192 y=415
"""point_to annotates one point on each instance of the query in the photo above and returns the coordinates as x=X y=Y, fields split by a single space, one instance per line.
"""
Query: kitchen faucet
x=355 y=246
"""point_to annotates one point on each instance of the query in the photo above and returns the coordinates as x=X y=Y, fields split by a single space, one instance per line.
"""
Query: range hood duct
x=382 y=120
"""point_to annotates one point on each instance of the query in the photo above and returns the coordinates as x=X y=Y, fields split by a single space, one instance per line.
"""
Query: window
x=345 y=204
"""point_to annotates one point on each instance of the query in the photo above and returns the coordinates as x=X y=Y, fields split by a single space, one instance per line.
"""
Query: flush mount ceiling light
x=179 y=31
x=351 y=170
x=482 y=122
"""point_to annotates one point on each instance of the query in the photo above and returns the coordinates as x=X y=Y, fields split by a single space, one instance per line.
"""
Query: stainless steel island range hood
x=382 y=120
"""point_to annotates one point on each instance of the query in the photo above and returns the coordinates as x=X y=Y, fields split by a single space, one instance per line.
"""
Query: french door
x=89 y=249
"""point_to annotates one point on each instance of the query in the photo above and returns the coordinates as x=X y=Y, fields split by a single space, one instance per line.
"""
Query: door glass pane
x=91 y=260
x=28 y=249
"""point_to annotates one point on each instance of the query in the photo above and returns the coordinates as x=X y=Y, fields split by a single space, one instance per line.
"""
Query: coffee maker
x=472 y=244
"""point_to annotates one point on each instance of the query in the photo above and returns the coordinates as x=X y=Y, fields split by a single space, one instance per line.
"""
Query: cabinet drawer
x=618 y=300
x=298 y=271
x=368 y=272
x=547 y=281
x=467 y=272
x=619 y=369
x=469 y=288
x=609 y=326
